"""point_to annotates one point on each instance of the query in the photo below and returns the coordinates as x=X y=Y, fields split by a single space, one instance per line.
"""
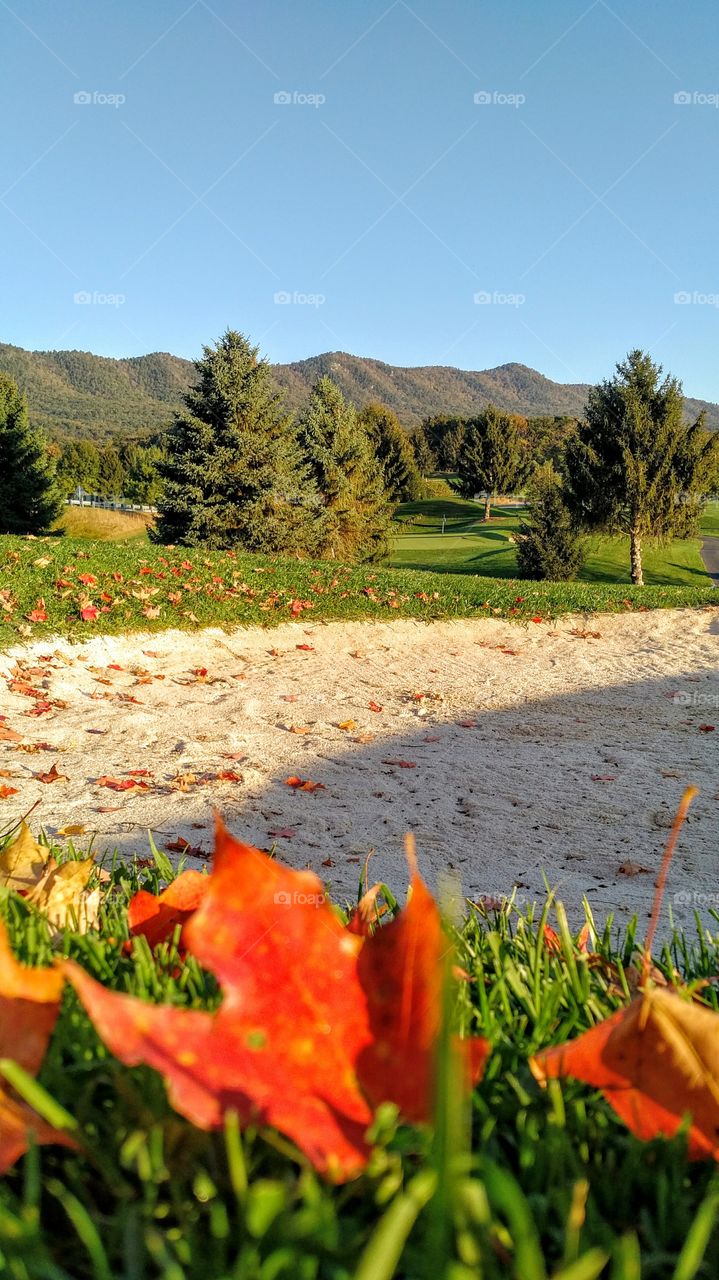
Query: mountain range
x=80 y=394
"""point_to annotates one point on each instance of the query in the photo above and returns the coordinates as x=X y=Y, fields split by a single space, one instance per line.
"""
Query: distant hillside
x=77 y=393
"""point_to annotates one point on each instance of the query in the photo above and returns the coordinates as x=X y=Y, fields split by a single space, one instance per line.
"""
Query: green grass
x=137 y=586
x=709 y=523
x=103 y=524
x=470 y=547
x=551 y=1185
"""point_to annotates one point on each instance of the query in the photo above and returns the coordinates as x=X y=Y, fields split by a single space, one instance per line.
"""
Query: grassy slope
x=553 y=1182
x=468 y=546
x=102 y=524
x=709 y=523
x=137 y=586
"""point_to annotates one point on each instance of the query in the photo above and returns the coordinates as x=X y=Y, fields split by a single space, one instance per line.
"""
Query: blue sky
x=381 y=199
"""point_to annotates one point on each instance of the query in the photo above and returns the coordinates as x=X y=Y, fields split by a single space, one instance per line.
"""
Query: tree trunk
x=635 y=542
x=488 y=506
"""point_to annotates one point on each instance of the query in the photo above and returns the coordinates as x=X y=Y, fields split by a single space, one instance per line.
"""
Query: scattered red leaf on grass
x=309 y=1048
x=29 y=1005
x=156 y=916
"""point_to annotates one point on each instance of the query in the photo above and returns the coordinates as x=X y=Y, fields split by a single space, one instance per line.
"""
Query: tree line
x=630 y=466
x=235 y=469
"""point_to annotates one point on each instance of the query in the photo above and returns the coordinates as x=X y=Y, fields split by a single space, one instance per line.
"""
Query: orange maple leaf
x=657 y=1060
x=155 y=916
x=29 y=1005
x=293 y=1042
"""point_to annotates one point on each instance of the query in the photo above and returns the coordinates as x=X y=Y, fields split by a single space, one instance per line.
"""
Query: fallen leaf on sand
x=5 y=792
x=303 y=784
x=401 y=764
x=77 y=830
x=375 y=706
x=347 y=725
x=52 y=775
x=632 y=869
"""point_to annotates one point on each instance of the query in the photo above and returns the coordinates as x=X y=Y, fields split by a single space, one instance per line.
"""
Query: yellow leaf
x=23 y=861
x=77 y=830
x=61 y=895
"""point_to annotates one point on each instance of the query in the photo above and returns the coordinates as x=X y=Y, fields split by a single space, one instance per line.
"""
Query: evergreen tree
x=111 y=473
x=30 y=500
x=548 y=544
x=233 y=474
x=424 y=457
x=394 y=451
x=356 y=511
x=634 y=466
x=445 y=437
x=492 y=457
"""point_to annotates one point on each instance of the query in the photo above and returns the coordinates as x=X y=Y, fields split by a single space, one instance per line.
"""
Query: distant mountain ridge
x=81 y=394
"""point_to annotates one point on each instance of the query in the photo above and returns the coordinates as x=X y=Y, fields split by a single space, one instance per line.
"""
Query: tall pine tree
x=233 y=475
x=548 y=545
x=30 y=500
x=634 y=466
x=394 y=451
x=492 y=456
x=356 y=510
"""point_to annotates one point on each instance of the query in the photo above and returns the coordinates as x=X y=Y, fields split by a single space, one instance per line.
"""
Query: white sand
x=579 y=756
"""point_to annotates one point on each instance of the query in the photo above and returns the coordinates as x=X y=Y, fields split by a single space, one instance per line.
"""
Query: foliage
x=547 y=437
x=233 y=475
x=352 y=520
x=424 y=457
x=634 y=466
x=492 y=456
x=393 y=449
x=552 y=1183
x=29 y=497
x=548 y=544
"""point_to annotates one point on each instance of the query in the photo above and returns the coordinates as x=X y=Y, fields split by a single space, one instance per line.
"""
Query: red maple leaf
x=307 y=1047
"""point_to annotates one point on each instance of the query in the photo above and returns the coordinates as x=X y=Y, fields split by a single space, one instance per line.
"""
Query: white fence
x=110 y=504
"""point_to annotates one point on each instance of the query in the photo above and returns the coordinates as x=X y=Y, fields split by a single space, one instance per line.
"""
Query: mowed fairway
x=468 y=545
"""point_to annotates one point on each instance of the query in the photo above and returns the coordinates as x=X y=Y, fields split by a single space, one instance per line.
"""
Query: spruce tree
x=30 y=500
x=233 y=474
x=492 y=456
x=634 y=466
x=356 y=511
x=394 y=451
x=548 y=544
x=111 y=473
x=423 y=455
